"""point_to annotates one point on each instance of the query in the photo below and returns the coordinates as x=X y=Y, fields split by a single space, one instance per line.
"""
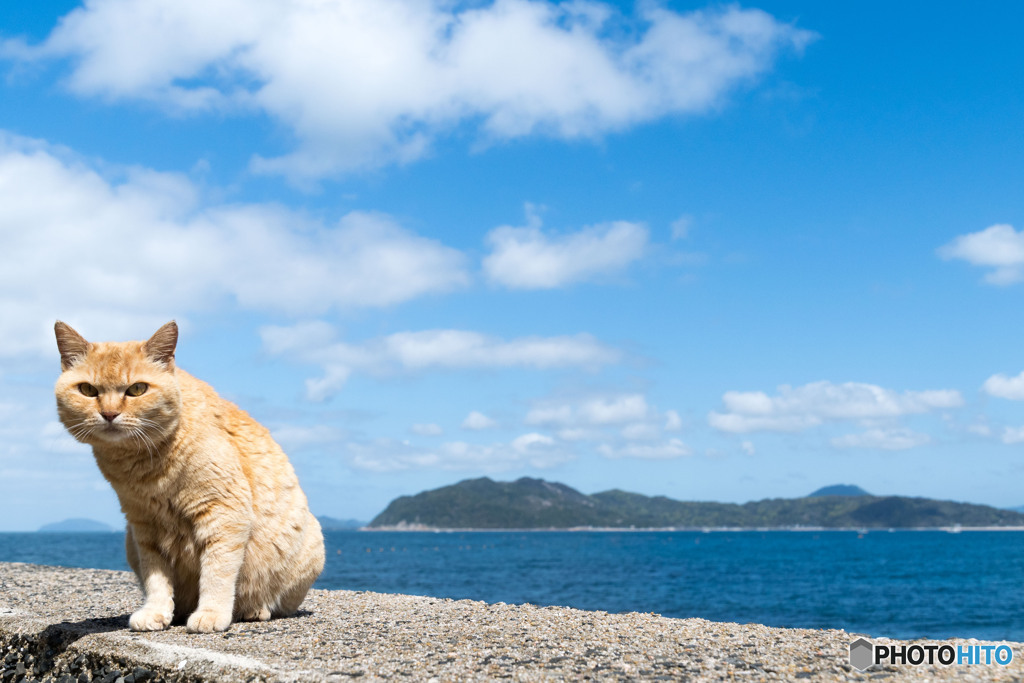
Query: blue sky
x=713 y=252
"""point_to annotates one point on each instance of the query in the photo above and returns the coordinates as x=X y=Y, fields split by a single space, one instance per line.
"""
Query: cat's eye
x=137 y=389
x=88 y=390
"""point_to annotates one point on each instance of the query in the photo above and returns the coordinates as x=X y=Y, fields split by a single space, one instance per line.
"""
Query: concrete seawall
x=71 y=625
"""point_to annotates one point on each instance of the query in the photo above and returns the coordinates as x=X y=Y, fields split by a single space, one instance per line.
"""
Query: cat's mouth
x=112 y=432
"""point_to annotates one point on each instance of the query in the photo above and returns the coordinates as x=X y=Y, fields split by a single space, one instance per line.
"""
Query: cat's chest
x=168 y=525
x=162 y=506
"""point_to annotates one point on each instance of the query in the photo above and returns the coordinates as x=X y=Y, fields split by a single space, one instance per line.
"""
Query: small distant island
x=537 y=504
x=334 y=524
x=77 y=524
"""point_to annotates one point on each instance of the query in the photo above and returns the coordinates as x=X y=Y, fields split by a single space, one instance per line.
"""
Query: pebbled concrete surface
x=71 y=626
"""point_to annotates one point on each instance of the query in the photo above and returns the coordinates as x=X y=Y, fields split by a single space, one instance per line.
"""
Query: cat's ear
x=72 y=346
x=160 y=347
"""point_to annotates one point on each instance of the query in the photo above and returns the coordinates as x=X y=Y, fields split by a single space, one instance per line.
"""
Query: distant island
x=76 y=524
x=334 y=524
x=537 y=504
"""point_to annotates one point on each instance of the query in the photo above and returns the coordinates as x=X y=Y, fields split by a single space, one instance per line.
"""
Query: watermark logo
x=864 y=653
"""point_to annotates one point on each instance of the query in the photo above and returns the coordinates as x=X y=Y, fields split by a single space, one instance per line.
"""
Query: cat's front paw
x=208 y=621
x=149 y=619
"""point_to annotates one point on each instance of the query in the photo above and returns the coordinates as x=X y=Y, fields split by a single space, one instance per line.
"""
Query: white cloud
x=796 y=409
x=370 y=82
x=526 y=258
x=389 y=455
x=594 y=411
x=885 y=439
x=1002 y=386
x=477 y=421
x=531 y=442
x=1012 y=435
x=681 y=227
x=748 y=447
x=742 y=424
x=641 y=431
x=999 y=247
x=427 y=429
x=618 y=425
x=429 y=349
x=327 y=386
x=549 y=415
x=615 y=410
x=673 y=448
x=121 y=257
x=980 y=428
x=571 y=434
x=303 y=436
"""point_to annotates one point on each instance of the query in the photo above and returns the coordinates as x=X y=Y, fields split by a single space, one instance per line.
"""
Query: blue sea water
x=901 y=584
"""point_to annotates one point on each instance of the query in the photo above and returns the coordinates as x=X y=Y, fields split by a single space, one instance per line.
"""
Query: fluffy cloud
x=620 y=425
x=681 y=227
x=673 y=448
x=388 y=455
x=477 y=421
x=526 y=258
x=979 y=429
x=742 y=424
x=797 y=408
x=532 y=442
x=594 y=411
x=369 y=82
x=306 y=436
x=426 y=429
x=885 y=439
x=429 y=349
x=999 y=247
x=1013 y=435
x=128 y=254
x=1002 y=386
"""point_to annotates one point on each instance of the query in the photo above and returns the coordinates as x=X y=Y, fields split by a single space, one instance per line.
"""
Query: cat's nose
x=109 y=416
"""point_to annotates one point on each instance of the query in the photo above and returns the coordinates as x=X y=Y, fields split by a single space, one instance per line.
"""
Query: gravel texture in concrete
x=71 y=626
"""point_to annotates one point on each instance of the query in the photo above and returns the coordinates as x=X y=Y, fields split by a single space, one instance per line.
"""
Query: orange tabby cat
x=218 y=527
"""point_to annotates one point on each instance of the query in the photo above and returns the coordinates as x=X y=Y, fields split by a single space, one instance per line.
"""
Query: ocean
x=900 y=584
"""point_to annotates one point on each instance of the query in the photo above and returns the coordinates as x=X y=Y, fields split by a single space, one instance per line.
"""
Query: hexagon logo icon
x=861 y=654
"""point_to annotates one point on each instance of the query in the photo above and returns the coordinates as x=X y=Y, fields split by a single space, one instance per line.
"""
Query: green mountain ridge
x=537 y=504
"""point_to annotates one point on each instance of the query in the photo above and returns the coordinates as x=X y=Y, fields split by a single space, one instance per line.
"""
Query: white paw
x=208 y=621
x=150 y=619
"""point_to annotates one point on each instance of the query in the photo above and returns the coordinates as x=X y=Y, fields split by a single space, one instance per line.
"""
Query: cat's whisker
x=77 y=425
x=147 y=442
x=82 y=430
